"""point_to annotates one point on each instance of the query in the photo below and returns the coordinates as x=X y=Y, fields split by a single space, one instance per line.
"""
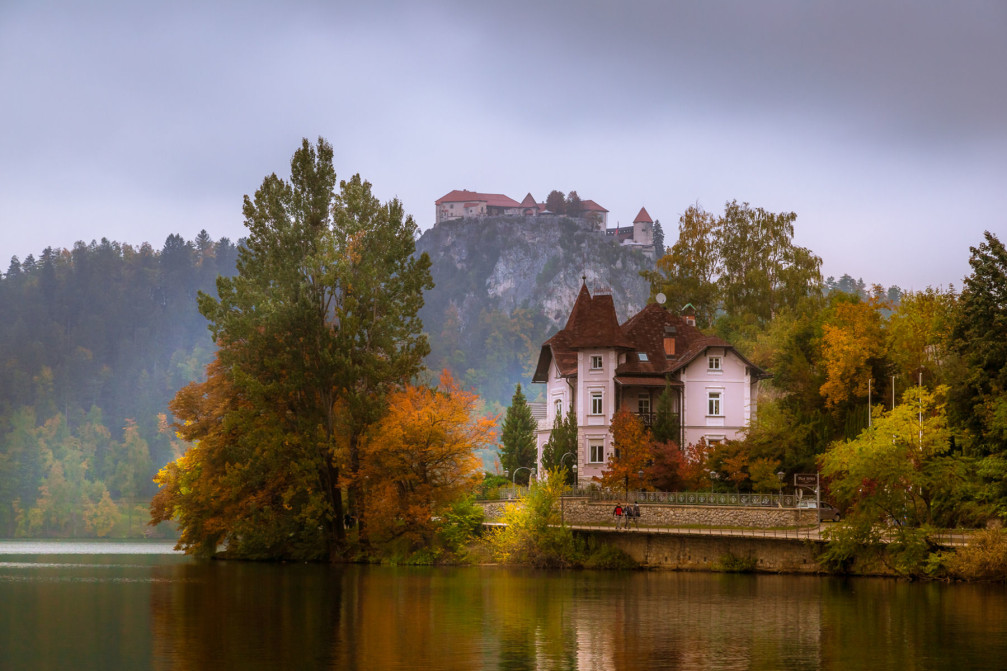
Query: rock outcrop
x=505 y=284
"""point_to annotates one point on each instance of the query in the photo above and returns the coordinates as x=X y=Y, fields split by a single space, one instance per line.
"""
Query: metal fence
x=689 y=498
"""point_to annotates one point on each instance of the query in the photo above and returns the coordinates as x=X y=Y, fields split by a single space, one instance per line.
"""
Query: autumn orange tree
x=853 y=353
x=247 y=482
x=420 y=458
x=633 y=453
x=316 y=329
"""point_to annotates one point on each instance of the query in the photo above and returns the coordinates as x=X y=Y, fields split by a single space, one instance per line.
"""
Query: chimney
x=689 y=314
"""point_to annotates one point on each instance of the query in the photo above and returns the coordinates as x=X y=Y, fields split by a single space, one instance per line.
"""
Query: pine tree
x=562 y=440
x=666 y=425
x=517 y=438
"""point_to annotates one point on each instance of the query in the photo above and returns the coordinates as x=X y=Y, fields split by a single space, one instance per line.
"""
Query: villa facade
x=597 y=366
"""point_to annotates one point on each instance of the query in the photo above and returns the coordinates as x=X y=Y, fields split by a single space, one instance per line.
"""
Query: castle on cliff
x=463 y=204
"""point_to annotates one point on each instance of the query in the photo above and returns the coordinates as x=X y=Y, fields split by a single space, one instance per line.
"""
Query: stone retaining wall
x=703 y=553
x=581 y=510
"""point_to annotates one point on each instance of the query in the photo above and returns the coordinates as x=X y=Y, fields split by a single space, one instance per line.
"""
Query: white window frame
x=714 y=403
x=714 y=363
x=558 y=404
x=596 y=451
x=643 y=400
x=597 y=362
x=597 y=402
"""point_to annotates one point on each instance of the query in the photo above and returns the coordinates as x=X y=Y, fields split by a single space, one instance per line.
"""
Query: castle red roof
x=643 y=217
x=591 y=206
x=491 y=199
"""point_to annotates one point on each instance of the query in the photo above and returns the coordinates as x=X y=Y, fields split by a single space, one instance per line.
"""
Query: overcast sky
x=883 y=125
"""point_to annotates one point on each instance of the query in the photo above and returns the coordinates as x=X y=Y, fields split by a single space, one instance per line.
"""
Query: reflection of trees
x=224 y=615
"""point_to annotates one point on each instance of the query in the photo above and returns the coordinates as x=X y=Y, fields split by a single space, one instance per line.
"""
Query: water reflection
x=173 y=613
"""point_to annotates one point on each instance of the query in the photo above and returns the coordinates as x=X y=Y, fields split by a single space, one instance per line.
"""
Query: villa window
x=596 y=362
x=714 y=363
x=597 y=403
x=713 y=404
x=559 y=408
x=643 y=404
x=642 y=356
x=597 y=448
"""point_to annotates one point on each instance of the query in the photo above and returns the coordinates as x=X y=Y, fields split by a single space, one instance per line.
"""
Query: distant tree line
x=94 y=341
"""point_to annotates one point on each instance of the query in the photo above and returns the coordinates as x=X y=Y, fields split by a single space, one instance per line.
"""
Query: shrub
x=984 y=558
x=732 y=563
x=609 y=557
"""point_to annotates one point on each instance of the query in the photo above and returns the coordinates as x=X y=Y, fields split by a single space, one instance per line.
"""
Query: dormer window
x=596 y=362
x=642 y=356
x=714 y=363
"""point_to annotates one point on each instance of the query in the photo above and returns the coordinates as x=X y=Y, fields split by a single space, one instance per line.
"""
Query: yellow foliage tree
x=851 y=341
x=420 y=458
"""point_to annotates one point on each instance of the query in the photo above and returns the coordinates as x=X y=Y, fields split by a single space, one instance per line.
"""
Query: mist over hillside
x=503 y=285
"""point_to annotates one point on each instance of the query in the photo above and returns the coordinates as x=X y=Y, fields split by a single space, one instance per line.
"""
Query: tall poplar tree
x=316 y=328
x=517 y=437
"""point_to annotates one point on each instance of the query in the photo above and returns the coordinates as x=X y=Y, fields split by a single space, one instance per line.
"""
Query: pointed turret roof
x=594 y=323
x=643 y=217
x=529 y=201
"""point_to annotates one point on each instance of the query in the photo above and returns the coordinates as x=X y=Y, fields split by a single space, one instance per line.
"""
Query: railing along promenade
x=811 y=532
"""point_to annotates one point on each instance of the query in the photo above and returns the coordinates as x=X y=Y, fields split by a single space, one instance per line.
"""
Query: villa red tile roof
x=643 y=217
x=593 y=324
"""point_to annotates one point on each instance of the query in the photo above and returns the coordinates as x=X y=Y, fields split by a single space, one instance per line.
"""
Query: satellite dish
x=660 y=298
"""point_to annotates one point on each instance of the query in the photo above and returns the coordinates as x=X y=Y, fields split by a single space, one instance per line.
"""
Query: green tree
x=979 y=338
x=517 y=437
x=666 y=426
x=555 y=202
x=658 y=239
x=562 y=440
x=574 y=205
x=762 y=269
x=316 y=328
x=896 y=470
x=688 y=272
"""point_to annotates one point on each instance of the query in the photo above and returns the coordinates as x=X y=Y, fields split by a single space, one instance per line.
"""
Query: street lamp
x=779 y=476
x=531 y=474
x=562 y=499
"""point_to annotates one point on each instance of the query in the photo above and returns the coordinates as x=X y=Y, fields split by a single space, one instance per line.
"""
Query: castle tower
x=643 y=228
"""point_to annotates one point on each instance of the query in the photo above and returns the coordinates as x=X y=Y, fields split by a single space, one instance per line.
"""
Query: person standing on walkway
x=618 y=513
x=636 y=514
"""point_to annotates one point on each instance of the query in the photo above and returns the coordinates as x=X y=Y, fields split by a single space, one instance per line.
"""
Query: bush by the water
x=984 y=558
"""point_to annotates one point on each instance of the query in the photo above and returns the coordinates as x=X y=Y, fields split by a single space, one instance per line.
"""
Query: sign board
x=805 y=479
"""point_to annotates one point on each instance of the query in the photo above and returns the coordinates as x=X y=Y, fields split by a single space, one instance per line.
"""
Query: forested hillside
x=94 y=341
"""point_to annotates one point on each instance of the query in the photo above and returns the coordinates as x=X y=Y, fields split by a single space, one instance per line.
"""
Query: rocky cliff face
x=504 y=285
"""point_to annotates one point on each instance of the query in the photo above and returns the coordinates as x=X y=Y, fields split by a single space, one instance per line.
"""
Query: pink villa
x=597 y=366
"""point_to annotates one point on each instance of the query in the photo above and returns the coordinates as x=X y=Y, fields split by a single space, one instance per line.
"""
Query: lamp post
x=531 y=474
x=779 y=476
x=562 y=499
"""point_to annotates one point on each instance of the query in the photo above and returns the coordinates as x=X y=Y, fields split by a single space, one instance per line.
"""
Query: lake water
x=139 y=606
